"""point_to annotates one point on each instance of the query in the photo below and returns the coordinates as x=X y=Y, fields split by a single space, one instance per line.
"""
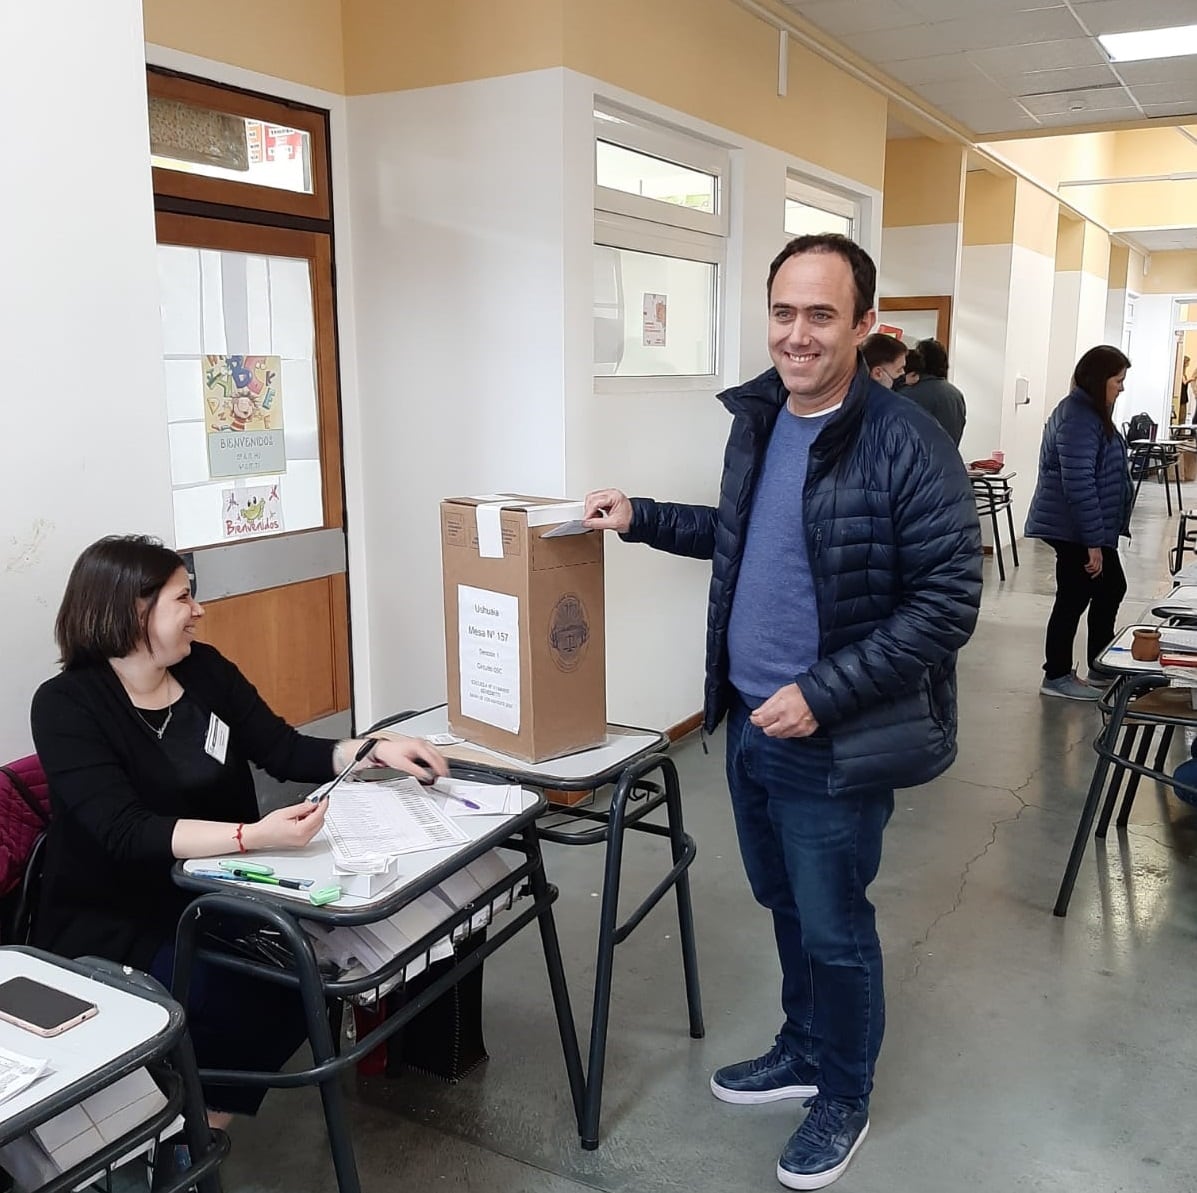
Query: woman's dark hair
x=935 y=359
x=1092 y=372
x=99 y=616
x=864 y=272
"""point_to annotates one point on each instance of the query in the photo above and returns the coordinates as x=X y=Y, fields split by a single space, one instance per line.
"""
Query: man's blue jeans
x=810 y=857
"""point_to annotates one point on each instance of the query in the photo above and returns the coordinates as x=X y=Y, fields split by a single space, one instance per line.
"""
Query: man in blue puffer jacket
x=847 y=574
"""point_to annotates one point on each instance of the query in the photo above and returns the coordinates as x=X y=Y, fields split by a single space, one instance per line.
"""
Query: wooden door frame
x=941 y=304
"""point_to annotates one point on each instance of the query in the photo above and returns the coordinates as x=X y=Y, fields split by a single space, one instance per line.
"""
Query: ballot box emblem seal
x=569 y=631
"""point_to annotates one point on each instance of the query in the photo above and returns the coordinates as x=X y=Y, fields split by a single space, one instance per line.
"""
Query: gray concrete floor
x=1022 y=1051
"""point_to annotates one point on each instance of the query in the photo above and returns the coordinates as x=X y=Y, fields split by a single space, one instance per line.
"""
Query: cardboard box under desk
x=524 y=631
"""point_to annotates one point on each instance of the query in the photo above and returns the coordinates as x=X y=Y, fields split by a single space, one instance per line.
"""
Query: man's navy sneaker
x=768 y=1078
x=819 y=1151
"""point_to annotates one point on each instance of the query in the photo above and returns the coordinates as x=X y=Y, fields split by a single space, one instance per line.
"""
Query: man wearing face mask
x=885 y=357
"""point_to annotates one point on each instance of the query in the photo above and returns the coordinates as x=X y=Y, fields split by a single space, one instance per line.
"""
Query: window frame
x=200 y=188
x=823 y=196
x=642 y=225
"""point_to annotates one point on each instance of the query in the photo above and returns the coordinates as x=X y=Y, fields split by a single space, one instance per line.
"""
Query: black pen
x=363 y=750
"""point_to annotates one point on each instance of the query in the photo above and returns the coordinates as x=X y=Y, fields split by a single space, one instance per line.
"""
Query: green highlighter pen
x=294 y=884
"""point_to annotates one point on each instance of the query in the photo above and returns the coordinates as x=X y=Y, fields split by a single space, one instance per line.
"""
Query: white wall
x=1149 y=379
x=981 y=315
x=1066 y=301
x=923 y=259
x=86 y=442
x=1027 y=341
x=1091 y=313
x=1004 y=319
x=456 y=198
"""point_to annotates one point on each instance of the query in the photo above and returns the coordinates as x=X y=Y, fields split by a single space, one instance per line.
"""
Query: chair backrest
x=1141 y=426
x=24 y=818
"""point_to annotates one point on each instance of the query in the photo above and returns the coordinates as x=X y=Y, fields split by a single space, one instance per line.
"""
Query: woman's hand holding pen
x=285 y=828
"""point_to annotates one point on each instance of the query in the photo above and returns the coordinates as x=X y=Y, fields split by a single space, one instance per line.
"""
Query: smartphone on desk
x=41 y=1009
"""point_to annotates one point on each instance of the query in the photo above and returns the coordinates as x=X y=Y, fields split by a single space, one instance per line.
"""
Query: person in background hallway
x=885 y=357
x=934 y=392
x=914 y=370
x=146 y=736
x=1082 y=505
x=846 y=576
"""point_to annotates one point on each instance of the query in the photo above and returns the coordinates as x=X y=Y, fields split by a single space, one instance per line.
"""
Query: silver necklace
x=160 y=731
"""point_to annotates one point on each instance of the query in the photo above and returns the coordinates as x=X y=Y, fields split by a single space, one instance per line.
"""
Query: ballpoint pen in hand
x=363 y=750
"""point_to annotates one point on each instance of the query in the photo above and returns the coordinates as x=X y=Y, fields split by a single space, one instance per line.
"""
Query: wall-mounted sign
x=654 y=311
x=243 y=410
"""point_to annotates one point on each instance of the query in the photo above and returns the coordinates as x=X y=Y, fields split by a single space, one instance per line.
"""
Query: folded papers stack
x=1178 y=657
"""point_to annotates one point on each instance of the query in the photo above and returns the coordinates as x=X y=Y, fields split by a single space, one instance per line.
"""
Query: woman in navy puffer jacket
x=1081 y=506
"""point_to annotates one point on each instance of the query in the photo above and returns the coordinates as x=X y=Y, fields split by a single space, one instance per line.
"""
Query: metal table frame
x=1159 y=456
x=992 y=493
x=257 y=908
x=168 y=1057
x=634 y=797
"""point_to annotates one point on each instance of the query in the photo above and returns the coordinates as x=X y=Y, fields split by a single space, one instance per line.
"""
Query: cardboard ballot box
x=525 y=648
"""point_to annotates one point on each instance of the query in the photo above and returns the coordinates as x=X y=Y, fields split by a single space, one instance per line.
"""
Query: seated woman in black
x=146 y=737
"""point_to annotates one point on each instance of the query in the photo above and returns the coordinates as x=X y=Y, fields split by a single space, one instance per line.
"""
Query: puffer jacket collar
x=761 y=399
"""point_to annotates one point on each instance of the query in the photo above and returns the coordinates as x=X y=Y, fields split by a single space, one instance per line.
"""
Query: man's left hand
x=785 y=714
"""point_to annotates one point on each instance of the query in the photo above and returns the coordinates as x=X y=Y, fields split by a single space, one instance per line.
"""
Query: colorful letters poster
x=251 y=511
x=654 y=320
x=243 y=410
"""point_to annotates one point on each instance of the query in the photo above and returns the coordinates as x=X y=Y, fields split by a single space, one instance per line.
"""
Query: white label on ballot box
x=488 y=654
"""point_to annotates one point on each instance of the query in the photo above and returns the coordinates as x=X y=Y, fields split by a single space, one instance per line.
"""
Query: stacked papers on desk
x=368 y=824
x=367 y=948
x=70 y=1137
x=17 y=1072
x=1175 y=639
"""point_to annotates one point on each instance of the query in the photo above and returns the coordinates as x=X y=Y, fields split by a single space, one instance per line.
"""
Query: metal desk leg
x=557 y=985
x=1130 y=735
x=1132 y=785
x=1013 y=536
x=685 y=911
x=997 y=541
x=1168 y=488
x=604 y=966
x=1161 y=755
x=336 y=1118
x=1088 y=813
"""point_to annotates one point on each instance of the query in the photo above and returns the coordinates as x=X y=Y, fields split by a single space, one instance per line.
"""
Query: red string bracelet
x=240 y=844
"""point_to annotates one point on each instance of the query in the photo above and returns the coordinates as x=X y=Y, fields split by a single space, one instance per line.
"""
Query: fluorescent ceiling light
x=1150 y=43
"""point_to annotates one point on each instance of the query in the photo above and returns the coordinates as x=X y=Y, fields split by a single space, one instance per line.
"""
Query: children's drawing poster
x=250 y=511
x=243 y=412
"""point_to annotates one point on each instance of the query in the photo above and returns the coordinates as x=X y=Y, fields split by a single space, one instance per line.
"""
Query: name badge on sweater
x=217 y=741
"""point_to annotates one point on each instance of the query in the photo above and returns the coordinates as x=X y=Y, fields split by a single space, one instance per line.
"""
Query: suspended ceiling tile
x=1062 y=54
x=1158 y=70
x=1037 y=82
x=946 y=10
x=1094 y=100
x=939 y=68
x=979 y=32
x=1119 y=16
x=1167 y=93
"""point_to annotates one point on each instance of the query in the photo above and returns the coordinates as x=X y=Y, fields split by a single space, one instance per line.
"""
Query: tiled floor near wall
x=1022 y=1051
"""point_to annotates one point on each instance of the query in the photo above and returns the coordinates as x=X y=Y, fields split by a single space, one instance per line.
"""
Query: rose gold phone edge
x=48 y=1033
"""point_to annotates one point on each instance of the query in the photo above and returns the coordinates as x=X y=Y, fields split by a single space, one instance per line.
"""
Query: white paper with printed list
x=18 y=1072
x=488 y=656
x=370 y=823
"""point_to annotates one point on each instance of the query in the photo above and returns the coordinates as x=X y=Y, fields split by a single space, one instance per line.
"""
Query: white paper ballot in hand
x=566 y=528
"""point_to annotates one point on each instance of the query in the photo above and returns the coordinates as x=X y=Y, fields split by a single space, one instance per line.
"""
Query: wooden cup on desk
x=1145 y=645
